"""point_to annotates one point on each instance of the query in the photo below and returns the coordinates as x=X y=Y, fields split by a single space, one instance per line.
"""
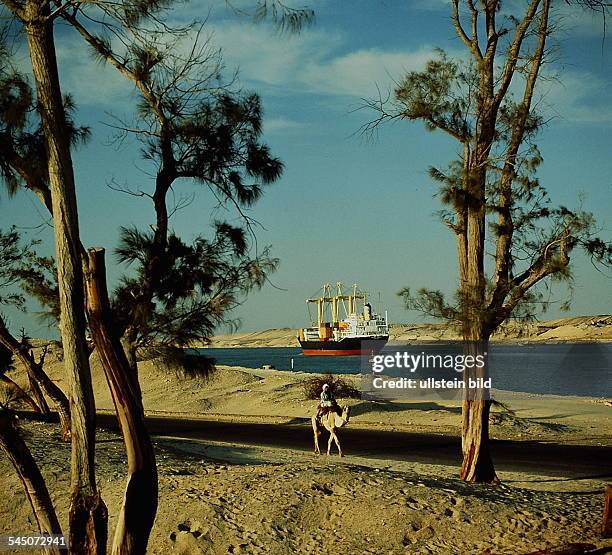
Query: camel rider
x=328 y=402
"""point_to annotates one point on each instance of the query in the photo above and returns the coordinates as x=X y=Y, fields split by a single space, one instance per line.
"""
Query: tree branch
x=470 y=42
x=514 y=50
x=15 y=9
x=540 y=269
x=112 y=59
x=35 y=183
x=503 y=254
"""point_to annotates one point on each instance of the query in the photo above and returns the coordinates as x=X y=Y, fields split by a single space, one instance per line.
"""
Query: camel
x=331 y=422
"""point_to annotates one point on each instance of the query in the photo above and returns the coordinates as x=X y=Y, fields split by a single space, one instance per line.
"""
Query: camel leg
x=317 y=433
x=338 y=444
x=329 y=443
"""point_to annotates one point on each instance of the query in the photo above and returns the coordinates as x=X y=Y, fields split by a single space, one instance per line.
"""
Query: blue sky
x=347 y=209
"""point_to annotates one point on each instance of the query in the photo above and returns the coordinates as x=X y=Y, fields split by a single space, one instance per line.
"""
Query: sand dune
x=576 y=328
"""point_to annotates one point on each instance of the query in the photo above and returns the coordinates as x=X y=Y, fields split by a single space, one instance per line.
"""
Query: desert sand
x=222 y=497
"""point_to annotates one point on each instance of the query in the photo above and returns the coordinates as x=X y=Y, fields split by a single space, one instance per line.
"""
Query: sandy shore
x=220 y=497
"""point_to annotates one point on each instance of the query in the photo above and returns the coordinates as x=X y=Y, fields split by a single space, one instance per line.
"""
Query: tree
x=11 y=441
x=212 y=291
x=192 y=128
x=88 y=513
x=491 y=191
x=13 y=390
x=36 y=490
x=17 y=261
x=195 y=129
x=139 y=506
x=88 y=516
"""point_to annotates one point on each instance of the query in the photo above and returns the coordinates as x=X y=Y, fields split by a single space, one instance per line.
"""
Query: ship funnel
x=367 y=311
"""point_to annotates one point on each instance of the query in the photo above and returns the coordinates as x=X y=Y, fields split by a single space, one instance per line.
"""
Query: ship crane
x=334 y=300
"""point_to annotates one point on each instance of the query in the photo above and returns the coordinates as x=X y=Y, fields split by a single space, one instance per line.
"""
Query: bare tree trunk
x=88 y=514
x=38 y=395
x=129 y=348
x=477 y=465
x=606 y=531
x=21 y=393
x=37 y=374
x=140 y=501
x=36 y=490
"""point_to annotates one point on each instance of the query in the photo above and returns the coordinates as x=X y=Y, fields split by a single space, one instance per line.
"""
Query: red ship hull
x=344 y=347
x=336 y=352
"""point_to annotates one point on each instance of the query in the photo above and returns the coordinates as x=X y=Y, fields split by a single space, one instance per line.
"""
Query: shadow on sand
x=365 y=407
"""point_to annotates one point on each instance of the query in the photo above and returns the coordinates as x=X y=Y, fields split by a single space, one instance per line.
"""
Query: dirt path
x=548 y=459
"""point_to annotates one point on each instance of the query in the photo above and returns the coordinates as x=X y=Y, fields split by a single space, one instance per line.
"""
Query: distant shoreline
x=578 y=329
x=221 y=344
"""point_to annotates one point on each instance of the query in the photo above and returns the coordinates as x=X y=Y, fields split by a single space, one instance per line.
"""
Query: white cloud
x=310 y=62
x=267 y=57
x=90 y=83
x=272 y=125
x=316 y=61
x=431 y=5
x=285 y=64
x=577 y=97
x=359 y=73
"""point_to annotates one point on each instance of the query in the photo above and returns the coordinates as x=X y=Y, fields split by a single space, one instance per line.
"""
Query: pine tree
x=491 y=192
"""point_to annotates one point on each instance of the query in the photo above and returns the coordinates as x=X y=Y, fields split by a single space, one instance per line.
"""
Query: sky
x=348 y=208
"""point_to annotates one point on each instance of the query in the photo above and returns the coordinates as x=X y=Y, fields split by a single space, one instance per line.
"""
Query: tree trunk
x=38 y=395
x=606 y=531
x=128 y=342
x=36 y=491
x=37 y=374
x=88 y=514
x=477 y=465
x=140 y=501
x=21 y=394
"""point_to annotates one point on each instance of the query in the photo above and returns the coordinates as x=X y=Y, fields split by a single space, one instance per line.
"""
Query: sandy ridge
x=575 y=328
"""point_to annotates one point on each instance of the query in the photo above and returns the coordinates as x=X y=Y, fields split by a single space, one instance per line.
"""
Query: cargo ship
x=333 y=336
